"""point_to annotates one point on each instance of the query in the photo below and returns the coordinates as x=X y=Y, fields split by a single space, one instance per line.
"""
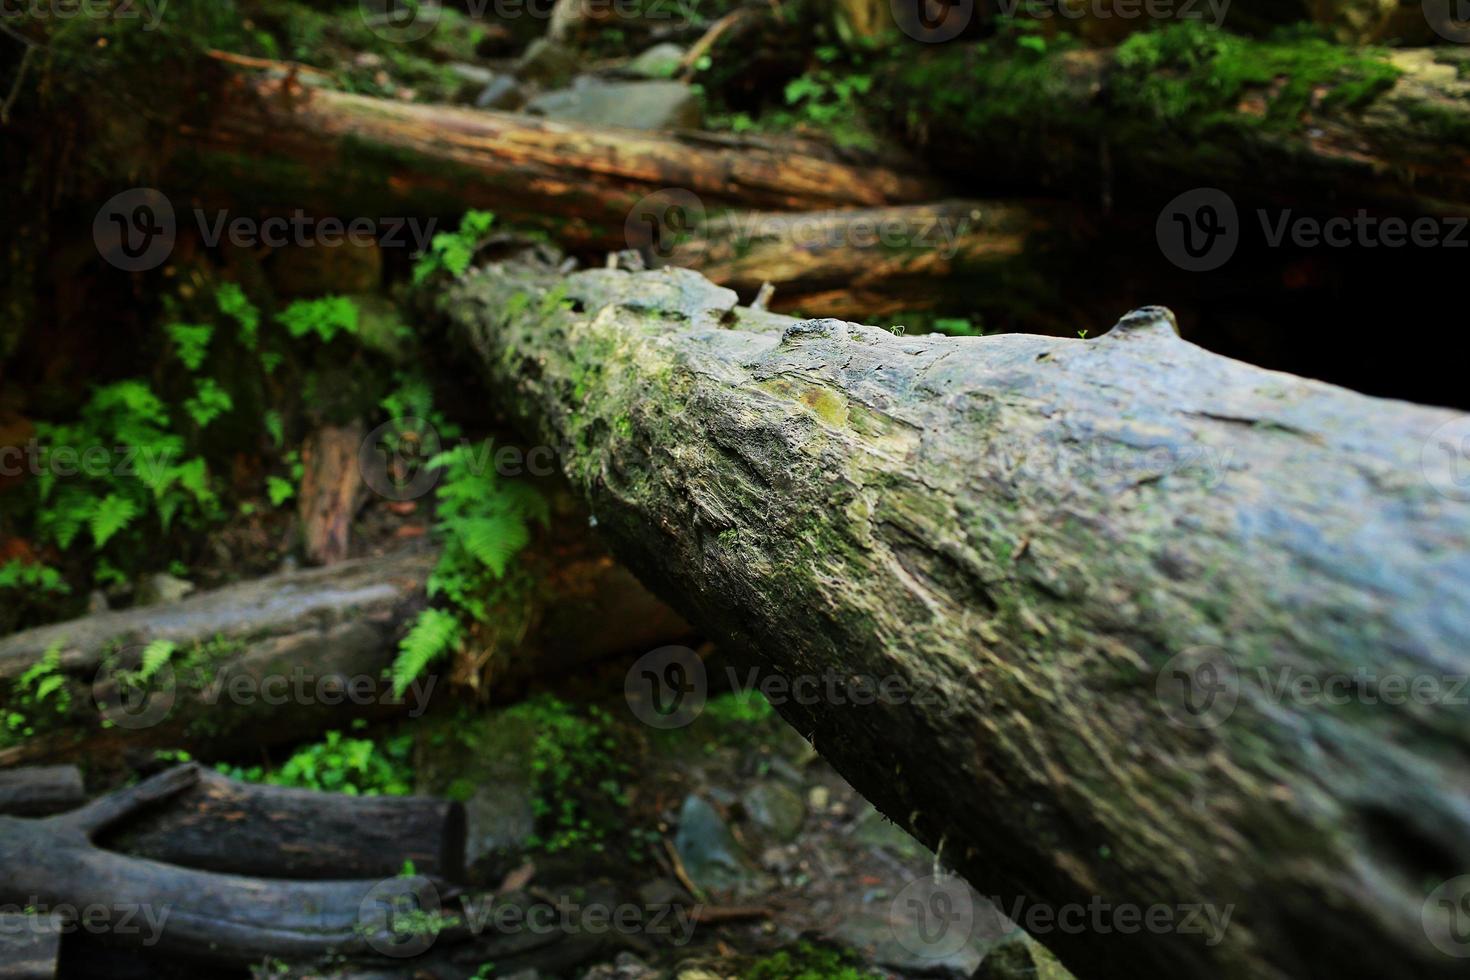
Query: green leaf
x=191 y=342
x=279 y=490
x=234 y=304
x=434 y=634
x=325 y=317
x=113 y=513
x=155 y=655
x=210 y=401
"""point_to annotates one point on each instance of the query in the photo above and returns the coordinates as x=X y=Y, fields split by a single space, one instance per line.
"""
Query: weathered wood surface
x=1080 y=123
x=1031 y=534
x=222 y=824
x=335 y=150
x=32 y=791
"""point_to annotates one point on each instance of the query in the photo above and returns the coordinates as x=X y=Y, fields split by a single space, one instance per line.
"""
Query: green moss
x=1194 y=75
x=806 y=961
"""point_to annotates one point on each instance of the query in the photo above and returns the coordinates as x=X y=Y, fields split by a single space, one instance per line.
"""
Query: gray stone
x=632 y=105
x=501 y=92
x=547 y=63
x=659 y=61
x=775 y=808
x=163 y=587
x=711 y=854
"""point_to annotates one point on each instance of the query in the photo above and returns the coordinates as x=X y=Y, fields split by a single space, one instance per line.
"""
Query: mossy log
x=1030 y=535
x=285 y=657
x=271 y=138
x=1309 y=123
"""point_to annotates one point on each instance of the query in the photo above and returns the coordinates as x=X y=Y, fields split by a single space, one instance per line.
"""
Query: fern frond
x=113 y=513
x=155 y=655
x=434 y=634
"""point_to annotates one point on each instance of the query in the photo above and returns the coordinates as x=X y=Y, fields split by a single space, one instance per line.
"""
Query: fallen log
x=34 y=791
x=1311 y=124
x=1049 y=547
x=221 y=824
x=291 y=655
x=271 y=139
x=867 y=261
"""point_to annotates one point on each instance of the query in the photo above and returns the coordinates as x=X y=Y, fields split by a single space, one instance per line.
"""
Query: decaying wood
x=321 y=640
x=331 y=491
x=221 y=824
x=376 y=157
x=999 y=120
x=1027 y=536
x=865 y=261
x=32 y=791
x=30 y=946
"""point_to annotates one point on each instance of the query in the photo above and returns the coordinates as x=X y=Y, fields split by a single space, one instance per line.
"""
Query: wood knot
x=812 y=329
x=1150 y=319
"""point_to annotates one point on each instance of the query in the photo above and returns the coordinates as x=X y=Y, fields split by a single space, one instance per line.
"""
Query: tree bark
x=1049 y=546
x=270 y=139
x=1111 y=124
x=35 y=791
x=221 y=824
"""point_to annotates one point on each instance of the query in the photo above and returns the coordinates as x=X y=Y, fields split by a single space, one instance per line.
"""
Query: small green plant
x=39 y=695
x=808 y=962
x=325 y=317
x=484 y=522
x=452 y=252
x=337 y=764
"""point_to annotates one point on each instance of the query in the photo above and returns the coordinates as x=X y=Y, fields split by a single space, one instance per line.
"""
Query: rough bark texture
x=1167 y=115
x=334 y=150
x=331 y=491
x=864 y=262
x=1030 y=534
x=221 y=824
x=33 y=791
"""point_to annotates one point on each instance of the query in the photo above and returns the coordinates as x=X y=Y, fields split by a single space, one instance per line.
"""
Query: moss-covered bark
x=1027 y=531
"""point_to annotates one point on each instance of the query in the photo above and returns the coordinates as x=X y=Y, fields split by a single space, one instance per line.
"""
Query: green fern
x=452 y=252
x=234 y=304
x=155 y=656
x=112 y=514
x=279 y=490
x=435 y=634
x=210 y=401
x=191 y=342
x=325 y=317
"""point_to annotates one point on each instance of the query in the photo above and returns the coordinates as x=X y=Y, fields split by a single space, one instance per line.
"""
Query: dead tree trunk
x=34 y=791
x=1254 y=118
x=1071 y=557
x=273 y=139
x=29 y=946
x=221 y=824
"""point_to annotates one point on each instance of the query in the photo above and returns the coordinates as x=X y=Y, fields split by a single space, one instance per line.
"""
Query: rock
x=1020 y=957
x=501 y=92
x=625 y=966
x=710 y=853
x=632 y=105
x=162 y=587
x=659 y=61
x=473 y=77
x=896 y=930
x=547 y=63
x=818 y=797
x=775 y=808
x=96 y=602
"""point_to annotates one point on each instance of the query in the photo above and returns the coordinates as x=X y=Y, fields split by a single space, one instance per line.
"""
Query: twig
x=679 y=871
x=707 y=40
x=763 y=297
